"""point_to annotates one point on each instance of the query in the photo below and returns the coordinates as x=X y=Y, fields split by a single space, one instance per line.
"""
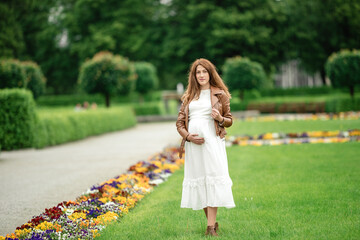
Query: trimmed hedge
x=35 y=79
x=22 y=127
x=343 y=69
x=301 y=91
x=330 y=105
x=240 y=73
x=69 y=100
x=17 y=118
x=147 y=77
x=342 y=105
x=72 y=100
x=60 y=127
x=147 y=109
x=12 y=74
x=107 y=74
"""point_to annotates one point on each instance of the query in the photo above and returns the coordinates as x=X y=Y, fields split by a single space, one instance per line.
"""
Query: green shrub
x=147 y=78
x=147 y=109
x=107 y=74
x=343 y=69
x=69 y=100
x=328 y=105
x=64 y=126
x=343 y=105
x=300 y=91
x=242 y=74
x=238 y=106
x=12 y=74
x=17 y=119
x=35 y=80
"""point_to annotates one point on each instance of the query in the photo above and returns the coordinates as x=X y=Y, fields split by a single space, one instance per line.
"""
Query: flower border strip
x=352 y=135
x=90 y=213
x=351 y=115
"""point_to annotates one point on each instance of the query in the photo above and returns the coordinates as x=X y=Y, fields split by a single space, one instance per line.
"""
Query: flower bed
x=295 y=138
x=292 y=117
x=85 y=217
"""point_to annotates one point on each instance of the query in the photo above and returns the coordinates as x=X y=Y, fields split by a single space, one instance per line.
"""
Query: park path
x=32 y=180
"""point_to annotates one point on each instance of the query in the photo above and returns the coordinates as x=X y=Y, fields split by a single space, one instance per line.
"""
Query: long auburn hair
x=193 y=88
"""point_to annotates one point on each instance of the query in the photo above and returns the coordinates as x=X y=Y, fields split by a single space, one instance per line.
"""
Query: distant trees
x=343 y=69
x=61 y=34
x=242 y=74
x=107 y=74
x=318 y=28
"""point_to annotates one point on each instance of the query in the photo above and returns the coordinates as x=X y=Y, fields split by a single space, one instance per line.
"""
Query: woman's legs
x=211 y=215
x=206 y=213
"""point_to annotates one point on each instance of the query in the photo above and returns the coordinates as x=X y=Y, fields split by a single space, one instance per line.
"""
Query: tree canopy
x=60 y=35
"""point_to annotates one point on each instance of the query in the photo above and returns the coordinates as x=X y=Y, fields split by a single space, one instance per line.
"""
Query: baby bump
x=203 y=127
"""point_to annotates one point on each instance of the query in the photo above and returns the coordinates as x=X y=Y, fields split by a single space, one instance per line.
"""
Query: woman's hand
x=216 y=115
x=192 y=137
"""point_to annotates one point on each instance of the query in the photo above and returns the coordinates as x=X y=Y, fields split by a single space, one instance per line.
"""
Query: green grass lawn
x=241 y=127
x=308 y=191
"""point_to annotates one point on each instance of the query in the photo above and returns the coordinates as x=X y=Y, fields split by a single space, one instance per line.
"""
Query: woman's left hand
x=215 y=114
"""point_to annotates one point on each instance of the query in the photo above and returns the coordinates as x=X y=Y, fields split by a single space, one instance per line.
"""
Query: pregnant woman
x=203 y=116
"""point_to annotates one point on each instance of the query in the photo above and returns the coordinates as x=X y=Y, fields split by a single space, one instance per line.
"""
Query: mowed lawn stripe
x=308 y=191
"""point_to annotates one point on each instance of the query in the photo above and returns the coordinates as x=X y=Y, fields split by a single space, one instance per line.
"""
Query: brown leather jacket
x=219 y=101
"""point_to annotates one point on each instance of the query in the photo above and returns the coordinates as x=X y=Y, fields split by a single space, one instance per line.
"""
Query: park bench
x=262 y=107
x=170 y=95
x=315 y=107
x=292 y=108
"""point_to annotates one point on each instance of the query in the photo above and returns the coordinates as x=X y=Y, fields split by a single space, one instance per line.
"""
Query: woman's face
x=202 y=77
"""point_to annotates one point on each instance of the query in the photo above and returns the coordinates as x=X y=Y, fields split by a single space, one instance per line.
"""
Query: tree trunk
x=241 y=94
x=107 y=100
x=323 y=76
x=141 y=98
x=351 y=88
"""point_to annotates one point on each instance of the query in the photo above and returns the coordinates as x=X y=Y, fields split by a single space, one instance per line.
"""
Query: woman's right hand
x=194 y=139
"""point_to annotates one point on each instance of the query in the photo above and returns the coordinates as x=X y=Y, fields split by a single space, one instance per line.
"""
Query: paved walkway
x=32 y=180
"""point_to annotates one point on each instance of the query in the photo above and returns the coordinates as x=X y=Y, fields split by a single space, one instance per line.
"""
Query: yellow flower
x=123 y=185
x=159 y=170
x=243 y=143
x=104 y=200
x=356 y=132
x=44 y=226
x=21 y=233
x=77 y=215
x=124 y=210
x=171 y=167
x=268 y=136
x=120 y=199
x=141 y=169
x=95 y=233
x=180 y=161
x=157 y=163
x=107 y=217
x=137 y=196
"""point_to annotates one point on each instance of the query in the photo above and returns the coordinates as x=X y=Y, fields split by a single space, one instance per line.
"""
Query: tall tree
x=222 y=29
x=321 y=27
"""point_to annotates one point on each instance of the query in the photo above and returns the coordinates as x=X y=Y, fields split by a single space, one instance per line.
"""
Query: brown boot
x=211 y=231
x=216 y=227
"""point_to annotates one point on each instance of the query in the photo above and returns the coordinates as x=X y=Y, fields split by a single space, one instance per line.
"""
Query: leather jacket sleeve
x=180 y=123
x=225 y=102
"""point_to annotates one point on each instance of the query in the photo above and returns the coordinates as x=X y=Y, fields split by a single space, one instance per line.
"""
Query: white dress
x=206 y=175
